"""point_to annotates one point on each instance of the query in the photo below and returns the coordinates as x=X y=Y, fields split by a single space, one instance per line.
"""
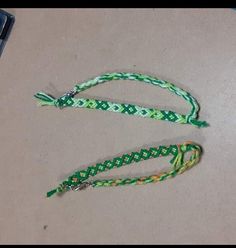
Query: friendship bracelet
x=79 y=180
x=68 y=100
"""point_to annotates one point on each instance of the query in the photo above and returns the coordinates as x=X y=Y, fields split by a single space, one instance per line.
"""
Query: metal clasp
x=62 y=98
x=70 y=93
x=81 y=186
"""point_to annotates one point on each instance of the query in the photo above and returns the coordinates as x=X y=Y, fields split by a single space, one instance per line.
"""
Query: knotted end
x=198 y=123
x=45 y=99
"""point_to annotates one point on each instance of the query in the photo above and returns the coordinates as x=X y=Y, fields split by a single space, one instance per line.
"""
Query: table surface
x=52 y=49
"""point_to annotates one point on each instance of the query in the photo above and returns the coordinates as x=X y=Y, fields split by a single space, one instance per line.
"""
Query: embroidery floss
x=68 y=100
x=79 y=180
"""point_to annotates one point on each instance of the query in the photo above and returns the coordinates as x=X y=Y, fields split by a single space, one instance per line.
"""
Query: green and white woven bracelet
x=79 y=179
x=68 y=100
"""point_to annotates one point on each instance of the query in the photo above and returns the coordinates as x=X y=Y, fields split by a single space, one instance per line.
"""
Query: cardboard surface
x=51 y=49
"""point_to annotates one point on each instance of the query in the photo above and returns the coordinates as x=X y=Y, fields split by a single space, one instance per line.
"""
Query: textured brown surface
x=52 y=49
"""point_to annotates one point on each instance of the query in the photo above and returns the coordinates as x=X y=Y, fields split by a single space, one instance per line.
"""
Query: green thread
x=52 y=192
x=79 y=179
x=68 y=100
x=45 y=99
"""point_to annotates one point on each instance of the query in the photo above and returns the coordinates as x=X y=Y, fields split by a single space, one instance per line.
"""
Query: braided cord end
x=59 y=190
x=199 y=123
x=45 y=99
x=52 y=192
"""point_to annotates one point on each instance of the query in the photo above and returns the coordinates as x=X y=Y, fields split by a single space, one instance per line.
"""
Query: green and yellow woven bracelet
x=79 y=180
